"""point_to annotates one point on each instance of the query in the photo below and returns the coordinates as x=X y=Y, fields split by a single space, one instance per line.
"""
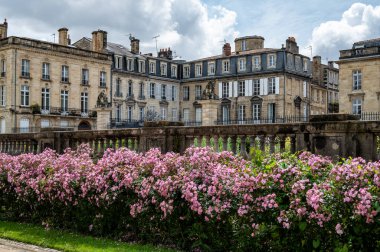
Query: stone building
x=325 y=87
x=49 y=85
x=359 y=78
x=254 y=84
x=144 y=87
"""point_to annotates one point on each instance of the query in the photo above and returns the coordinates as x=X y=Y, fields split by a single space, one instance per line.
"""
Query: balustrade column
x=293 y=144
x=216 y=143
x=208 y=144
x=272 y=144
x=243 y=147
x=282 y=143
x=233 y=144
x=225 y=143
x=262 y=143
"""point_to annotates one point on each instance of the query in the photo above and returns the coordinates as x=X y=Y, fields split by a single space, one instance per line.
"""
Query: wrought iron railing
x=117 y=123
x=264 y=120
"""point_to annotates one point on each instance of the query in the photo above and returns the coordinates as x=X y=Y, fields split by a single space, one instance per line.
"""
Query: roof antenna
x=155 y=38
x=53 y=37
x=223 y=41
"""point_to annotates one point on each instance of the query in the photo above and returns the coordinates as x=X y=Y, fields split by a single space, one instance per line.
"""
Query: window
x=198 y=70
x=141 y=91
x=241 y=64
x=174 y=114
x=24 y=95
x=64 y=102
x=45 y=103
x=25 y=68
x=305 y=62
x=24 y=125
x=164 y=112
x=198 y=92
x=256 y=64
x=357 y=80
x=271 y=85
x=163 y=69
x=186 y=71
x=2 y=96
x=118 y=62
x=45 y=123
x=84 y=104
x=174 y=71
x=271 y=60
x=130 y=64
x=118 y=113
x=152 y=88
x=65 y=74
x=256 y=112
x=186 y=93
x=174 y=93
x=243 y=45
x=225 y=114
x=152 y=67
x=130 y=113
x=186 y=114
x=103 y=77
x=3 y=67
x=211 y=68
x=198 y=115
x=45 y=71
x=163 y=92
x=357 y=106
x=2 y=125
x=256 y=87
x=272 y=112
x=118 y=86
x=225 y=89
x=226 y=66
x=141 y=66
x=84 y=76
x=241 y=114
x=241 y=88
x=130 y=89
x=141 y=112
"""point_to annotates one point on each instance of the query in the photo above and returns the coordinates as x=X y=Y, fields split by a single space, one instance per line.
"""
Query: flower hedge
x=201 y=200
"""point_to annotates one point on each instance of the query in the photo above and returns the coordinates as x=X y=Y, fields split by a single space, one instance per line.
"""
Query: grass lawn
x=66 y=241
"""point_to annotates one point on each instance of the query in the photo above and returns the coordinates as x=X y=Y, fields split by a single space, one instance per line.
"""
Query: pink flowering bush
x=201 y=200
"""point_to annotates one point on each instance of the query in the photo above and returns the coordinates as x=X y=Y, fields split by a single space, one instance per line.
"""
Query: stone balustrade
x=345 y=138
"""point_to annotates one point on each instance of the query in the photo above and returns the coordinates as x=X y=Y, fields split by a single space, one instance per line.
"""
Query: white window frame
x=45 y=100
x=356 y=80
x=103 y=79
x=174 y=114
x=186 y=115
x=186 y=93
x=25 y=95
x=118 y=62
x=164 y=113
x=2 y=95
x=85 y=76
x=186 y=71
x=164 y=67
x=152 y=92
x=130 y=113
x=84 y=104
x=3 y=67
x=141 y=113
x=45 y=71
x=130 y=64
x=211 y=68
x=65 y=74
x=198 y=92
x=141 y=66
x=45 y=123
x=226 y=66
x=163 y=91
x=242 y=64
x=272 y=85
x=243 y=45
x=25 y=68
x=174 y=93
x=241 y=114
x=198 y=115
x=225 y=89
x=64 y=101
x=271 y=60
x=256 y=112
x=152 y=67
x=198 y=69
x=305 y=65
x=241 y=88
x=174 y=71
x=256 y=86
x=357 y=106
x=225 y=114
x=256 y=63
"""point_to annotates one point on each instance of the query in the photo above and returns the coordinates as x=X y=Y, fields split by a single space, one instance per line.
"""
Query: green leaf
x=316 y=243
x=302 y=226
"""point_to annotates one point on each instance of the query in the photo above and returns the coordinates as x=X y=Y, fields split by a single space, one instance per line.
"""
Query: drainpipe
x=284 y=67
x=15 y=88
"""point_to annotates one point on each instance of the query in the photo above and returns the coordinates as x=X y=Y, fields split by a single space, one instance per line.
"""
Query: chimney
x=317 y=59
x=99 y=41
x=63 y=36
x=4 y=29
x=227 y=49
x=291 y=45
x=166 y=53
x=331 y=64
x=135 y=45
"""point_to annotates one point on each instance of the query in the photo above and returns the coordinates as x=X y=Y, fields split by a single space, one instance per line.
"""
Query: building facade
x=49 y=85
x=325 y=87
x=359 y=75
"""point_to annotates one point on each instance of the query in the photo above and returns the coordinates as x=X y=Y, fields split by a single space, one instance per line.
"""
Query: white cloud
x=359 y=22
x=190 y=27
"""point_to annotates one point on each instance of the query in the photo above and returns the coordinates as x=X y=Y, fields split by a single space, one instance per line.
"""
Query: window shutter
x=147 y=90
x=277 y=79
x=265 y=84
x=230 y=89
x=169 y=92
x=250 y=88
x=304 y=89
x=235 y=94
x=220 y=90
x=261 y=86
x=246 y=90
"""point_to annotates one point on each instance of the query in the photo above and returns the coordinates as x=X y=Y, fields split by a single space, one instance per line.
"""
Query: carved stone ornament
x=102 y=100
x=209 y=92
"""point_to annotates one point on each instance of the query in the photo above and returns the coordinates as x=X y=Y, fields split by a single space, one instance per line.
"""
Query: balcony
x=85 y=82
x=141 y=97
x=65 y=80
x=264 y=120
x=128 y=123
x=25 y=75
x=46 y=77
x=62 y=111
x=118 y=94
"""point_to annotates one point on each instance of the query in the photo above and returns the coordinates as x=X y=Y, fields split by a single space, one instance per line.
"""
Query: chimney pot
x=227 y=49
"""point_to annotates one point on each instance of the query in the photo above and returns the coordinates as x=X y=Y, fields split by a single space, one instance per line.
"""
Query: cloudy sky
x=197 y=28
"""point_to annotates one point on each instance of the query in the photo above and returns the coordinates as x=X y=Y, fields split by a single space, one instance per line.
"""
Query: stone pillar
x=209 y=111
x=102 y=117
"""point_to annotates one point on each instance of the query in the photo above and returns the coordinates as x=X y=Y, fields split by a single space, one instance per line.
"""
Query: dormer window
x=118 y=62
x=242 y=64
x=152 y=67
x=186 y=71
x=198 y=70
x=226 y=66
x=256 y=63
x=243 y=45
x=130 y=64
x=211 y=68
x=141 y=66
x=163 y=69
x=271 y=61
x=174 y=71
